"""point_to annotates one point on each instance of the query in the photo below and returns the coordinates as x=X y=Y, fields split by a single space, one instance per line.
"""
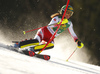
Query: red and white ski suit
x=45 y=33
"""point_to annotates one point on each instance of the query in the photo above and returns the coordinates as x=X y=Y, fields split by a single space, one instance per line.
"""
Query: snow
x=15 y=63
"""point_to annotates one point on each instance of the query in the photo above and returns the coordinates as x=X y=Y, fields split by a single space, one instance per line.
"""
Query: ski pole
x=71 y=54
x=32 y=30
x=57 y=28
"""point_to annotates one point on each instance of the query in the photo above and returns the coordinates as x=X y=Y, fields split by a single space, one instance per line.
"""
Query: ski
x=45 y=57
x=33 y=54
x=30 y=53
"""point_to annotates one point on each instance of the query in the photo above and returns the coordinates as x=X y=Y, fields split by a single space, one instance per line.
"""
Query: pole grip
x=24 y=32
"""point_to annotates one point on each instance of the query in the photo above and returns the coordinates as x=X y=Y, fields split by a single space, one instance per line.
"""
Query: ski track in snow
x=15 y=63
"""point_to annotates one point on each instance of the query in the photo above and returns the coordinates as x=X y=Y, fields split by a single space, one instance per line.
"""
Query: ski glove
x=79 y=43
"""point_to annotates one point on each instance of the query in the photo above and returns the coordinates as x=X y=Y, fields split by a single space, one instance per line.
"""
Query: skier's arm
x=53 y=22
x=71 y=31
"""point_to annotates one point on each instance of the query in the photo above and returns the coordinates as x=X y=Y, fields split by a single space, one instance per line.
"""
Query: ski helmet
x=70 y=8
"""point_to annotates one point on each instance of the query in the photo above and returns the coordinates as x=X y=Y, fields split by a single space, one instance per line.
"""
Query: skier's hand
x=79 y=43
x=64 y=21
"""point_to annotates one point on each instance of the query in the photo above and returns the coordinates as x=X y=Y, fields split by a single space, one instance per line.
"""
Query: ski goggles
x=69 y=12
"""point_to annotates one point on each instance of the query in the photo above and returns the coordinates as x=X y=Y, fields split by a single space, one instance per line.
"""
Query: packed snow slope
x=12 y=62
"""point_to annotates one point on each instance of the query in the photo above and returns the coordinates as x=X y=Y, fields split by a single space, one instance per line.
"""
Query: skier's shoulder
x=70 y=22
x=56 y=19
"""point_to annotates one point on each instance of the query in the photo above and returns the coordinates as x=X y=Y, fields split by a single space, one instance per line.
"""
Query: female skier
x=45 y=33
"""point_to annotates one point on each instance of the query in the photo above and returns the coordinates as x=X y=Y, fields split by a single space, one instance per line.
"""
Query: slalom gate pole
x=32 y=30
x=72 y=54
x=57 y=28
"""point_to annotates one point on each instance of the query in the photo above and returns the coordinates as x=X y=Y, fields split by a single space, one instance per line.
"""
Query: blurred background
x=19 y=15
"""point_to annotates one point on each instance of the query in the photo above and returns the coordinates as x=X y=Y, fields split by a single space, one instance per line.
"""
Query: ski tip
x=24 y=32
x=46 y=57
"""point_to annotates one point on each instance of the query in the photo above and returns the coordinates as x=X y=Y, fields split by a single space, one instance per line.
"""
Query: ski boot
x=16 y=45
x=30 y=51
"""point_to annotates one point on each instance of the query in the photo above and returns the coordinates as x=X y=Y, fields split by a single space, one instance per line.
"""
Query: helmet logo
x=70 y=8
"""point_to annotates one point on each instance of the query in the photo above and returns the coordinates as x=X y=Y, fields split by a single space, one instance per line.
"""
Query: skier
x=45 y=33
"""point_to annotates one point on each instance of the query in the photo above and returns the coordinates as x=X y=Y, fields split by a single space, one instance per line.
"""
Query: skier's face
x=68 y=14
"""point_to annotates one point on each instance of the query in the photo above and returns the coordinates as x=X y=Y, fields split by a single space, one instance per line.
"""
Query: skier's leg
x=26 y=43
x=39 y=35
x=40 y=47
x=44 y=35
x=37 y=39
